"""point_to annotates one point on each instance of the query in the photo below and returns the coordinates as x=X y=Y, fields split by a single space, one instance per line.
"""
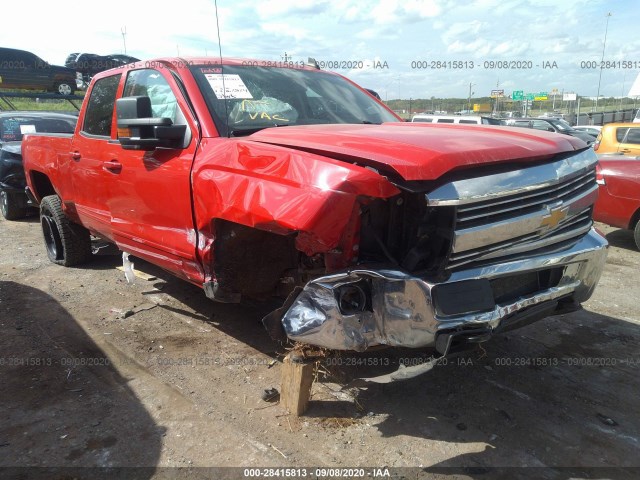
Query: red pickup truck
x=254 y=180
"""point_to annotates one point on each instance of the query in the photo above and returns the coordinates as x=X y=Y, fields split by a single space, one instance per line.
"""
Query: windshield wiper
x=241 y=132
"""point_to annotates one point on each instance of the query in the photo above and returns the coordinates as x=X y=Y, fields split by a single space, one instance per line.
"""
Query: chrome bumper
x=361 y=308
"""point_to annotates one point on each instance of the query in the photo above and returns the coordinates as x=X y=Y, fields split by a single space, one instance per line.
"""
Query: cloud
x=464 y=30
x=379 y=33
x=478 y=47
x=396 y=31
x=281 y=8
x=397 y=11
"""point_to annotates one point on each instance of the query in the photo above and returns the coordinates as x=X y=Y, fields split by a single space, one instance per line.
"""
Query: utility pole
x=622 y=93
x=604 y=45
x=123 y=30
x=469 y=99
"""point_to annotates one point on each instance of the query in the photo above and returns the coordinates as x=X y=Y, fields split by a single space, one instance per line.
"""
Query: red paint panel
x=423 y=151
x=42 y=153
x=619 y=198
x=278 y=190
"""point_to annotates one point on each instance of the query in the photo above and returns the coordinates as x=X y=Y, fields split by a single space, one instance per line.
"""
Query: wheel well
x=251 y=261
x=42 y=186
x=634 y=219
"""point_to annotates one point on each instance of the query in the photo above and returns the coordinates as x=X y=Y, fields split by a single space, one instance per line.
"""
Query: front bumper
x=362 y=308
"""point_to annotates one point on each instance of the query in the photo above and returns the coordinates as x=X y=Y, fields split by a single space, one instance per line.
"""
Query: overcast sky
x=481 y=36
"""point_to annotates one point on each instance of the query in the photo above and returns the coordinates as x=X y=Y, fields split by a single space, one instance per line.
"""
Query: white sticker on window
x=27 y=129
x=231 y=87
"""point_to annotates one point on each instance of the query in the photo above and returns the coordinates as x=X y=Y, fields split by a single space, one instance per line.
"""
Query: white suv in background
x=456 y=119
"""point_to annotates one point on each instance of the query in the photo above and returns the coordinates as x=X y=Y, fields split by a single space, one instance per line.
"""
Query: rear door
x=88 y=164
x=38 y=71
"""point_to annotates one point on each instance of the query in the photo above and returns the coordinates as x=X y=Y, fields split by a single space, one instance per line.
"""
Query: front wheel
x=636 y=234
x=11 y=206
x=67 y=243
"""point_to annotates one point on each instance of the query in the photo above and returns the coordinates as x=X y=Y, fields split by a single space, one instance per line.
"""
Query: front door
x=150 y=191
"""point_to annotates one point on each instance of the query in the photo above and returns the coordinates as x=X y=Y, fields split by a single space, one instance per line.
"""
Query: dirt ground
x=97 y=372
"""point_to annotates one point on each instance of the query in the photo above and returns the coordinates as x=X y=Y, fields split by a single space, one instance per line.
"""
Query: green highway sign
x=519 y=95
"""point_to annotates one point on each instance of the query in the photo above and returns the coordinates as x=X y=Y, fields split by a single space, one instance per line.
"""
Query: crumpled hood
x=421 y=151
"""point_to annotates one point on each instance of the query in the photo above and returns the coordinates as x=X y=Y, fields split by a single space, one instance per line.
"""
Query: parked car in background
x=550 y=125
x=14 y=203
x=511 y=114
x=593 y=130
x=552 y=115
x=618 y=201
x=621 y=138
x=456 y=119
x=88 y=64
x=21 y=69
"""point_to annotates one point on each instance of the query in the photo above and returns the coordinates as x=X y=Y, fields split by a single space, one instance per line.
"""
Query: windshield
x=245 y=99
x=13 y=128
x=561 y=125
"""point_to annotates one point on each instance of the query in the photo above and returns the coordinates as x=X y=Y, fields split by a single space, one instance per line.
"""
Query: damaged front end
x=468 y=259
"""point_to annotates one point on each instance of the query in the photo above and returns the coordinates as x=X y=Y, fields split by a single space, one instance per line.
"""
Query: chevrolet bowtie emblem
x=554 y=217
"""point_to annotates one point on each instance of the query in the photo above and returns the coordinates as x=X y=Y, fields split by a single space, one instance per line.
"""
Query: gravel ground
x=97 y=372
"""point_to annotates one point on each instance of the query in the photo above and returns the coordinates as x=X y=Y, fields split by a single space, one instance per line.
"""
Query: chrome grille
x=520 y=213
x=565 y=234
x=490 y=211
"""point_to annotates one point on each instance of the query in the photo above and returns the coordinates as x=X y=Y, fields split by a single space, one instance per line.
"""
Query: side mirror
x=374 y=93
x=138 y=130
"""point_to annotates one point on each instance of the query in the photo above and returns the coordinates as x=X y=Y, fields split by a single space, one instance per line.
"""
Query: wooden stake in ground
x=295 y=385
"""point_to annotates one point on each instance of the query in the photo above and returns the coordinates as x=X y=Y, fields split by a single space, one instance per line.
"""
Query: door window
x=542 y=125
x=633 y=136
x=97 y=119
x=151 y=83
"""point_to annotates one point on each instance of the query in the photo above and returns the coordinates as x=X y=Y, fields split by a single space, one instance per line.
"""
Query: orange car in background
x=620 y=138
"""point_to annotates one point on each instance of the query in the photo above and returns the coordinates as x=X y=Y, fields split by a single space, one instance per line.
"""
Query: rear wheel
x=67 y=243
x=636 y=234
x=12 y=206
x=63 y=88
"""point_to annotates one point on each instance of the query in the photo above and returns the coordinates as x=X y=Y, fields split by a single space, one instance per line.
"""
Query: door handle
x=75 y=155
x=113 y=166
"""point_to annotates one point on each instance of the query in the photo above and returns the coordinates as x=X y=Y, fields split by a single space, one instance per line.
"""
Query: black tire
x=11 y=206
x=67 y=243
x=64 y=88
x=636 y=234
